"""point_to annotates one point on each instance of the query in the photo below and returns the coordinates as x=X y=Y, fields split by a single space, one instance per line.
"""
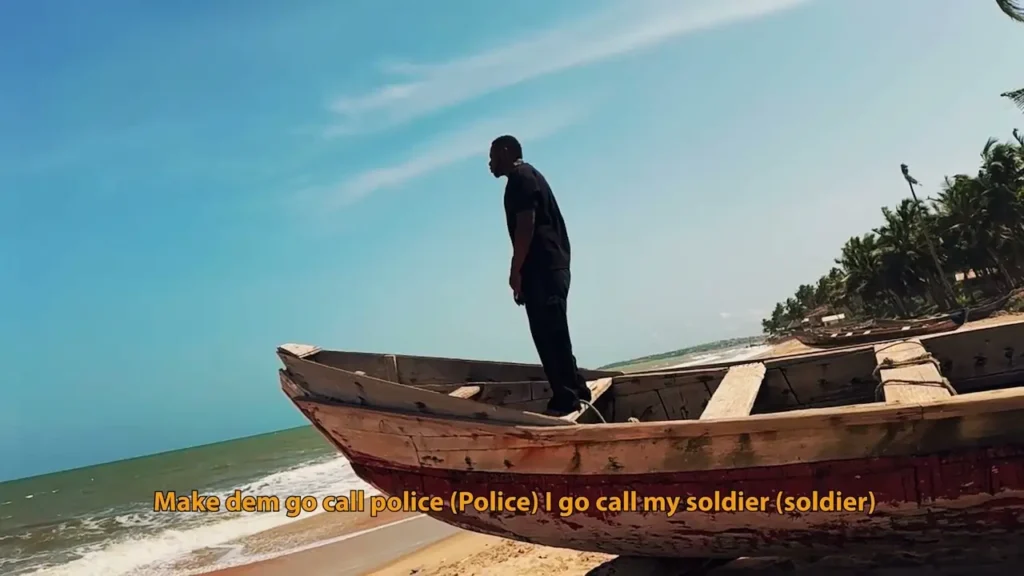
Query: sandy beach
x=407 y=549
x=353 y=544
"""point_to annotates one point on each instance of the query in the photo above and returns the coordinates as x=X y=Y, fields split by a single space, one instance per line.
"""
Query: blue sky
x=183 y=189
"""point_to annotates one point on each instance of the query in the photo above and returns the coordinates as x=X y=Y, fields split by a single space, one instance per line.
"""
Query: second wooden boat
x=881 y=331
x=907 y=447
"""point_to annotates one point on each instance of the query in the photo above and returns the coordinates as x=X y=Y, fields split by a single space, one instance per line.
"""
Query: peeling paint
x=972 y=499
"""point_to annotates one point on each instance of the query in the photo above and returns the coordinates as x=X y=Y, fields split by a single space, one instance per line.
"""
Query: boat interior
x=910 y=370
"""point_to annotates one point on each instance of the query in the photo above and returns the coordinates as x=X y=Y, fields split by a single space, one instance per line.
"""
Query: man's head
x=505 y=152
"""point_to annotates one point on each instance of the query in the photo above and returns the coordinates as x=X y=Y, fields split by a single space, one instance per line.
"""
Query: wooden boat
x=881 y=331
x=920 y=442
x=986 y=309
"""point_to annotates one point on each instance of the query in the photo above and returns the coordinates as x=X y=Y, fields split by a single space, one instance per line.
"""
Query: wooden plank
x=465 y=392
x=913 y=376
x=299 y=350
x=645 y=407
x=683 y=403
x=735 y=396
x=824 y=435
x=391 y=368
x=638 y=384
x=597 y=388
x=419 y=370
x=814 y=424
x=539 y=405
x=375 y=365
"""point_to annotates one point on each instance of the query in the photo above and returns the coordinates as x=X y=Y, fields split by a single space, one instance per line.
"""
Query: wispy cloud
x=447 y=150
x=627 y=26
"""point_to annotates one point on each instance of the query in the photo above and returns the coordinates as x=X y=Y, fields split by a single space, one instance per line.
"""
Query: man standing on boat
x=539 y=275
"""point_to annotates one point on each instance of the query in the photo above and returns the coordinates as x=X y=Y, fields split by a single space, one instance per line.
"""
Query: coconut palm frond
x=1013 y=8
x=1017 y=96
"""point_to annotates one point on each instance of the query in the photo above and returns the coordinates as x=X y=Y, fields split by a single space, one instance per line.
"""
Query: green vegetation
x=718 y=345
x=976 y=224
x=909 y=265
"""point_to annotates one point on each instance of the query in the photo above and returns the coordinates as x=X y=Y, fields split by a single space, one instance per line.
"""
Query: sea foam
x=153 y=554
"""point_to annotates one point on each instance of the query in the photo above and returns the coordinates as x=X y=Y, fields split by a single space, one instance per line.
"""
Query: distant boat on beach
x=878 y=332
x=881 y=330
x=914 y=443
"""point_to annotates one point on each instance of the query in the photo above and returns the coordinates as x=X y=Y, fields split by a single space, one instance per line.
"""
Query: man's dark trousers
x=545 y=294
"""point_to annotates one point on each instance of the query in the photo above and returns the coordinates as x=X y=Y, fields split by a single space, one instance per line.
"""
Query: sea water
x=100 y=520
x=723 y=355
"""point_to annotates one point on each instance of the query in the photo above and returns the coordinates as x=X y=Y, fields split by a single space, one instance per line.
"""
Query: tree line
x=930 y=256
x=975 y=226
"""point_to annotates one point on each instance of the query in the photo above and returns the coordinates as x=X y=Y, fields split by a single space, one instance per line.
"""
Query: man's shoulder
x=526 y=175
x=521 y=171
x=520 y=177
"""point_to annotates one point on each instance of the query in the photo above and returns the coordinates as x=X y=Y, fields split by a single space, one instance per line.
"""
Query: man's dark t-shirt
x=527 y=189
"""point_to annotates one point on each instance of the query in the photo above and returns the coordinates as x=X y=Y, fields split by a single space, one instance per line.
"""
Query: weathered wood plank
x=391 y=368
x=349 y=388
x=419 y=370
x=735 y=396
x=299 y=350
x=933 y=513
x=640 y=383
x=683 y=403
x=912 y=375
x=597 y=388
x=465 y=392
x=374 y=365
x=538 y=405
x=821 y=435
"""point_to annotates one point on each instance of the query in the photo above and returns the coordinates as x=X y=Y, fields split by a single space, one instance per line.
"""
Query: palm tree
x=977 y=223
x=1015 y=10
x=1017 y=96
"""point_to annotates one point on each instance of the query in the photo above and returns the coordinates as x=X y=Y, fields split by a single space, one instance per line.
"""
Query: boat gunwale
x=821 y=435
x=969 y=403
x=310 y=353
x=974 y=403
x=770 y=362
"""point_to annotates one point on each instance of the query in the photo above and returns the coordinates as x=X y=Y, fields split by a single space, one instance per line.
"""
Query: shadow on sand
x=906 y=564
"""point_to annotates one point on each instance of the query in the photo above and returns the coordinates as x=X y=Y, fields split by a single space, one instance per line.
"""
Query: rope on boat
x=889 y=364
x=596 y=411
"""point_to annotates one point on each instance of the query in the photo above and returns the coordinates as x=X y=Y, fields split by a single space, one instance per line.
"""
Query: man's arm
x=523 y=204
x=523 y=237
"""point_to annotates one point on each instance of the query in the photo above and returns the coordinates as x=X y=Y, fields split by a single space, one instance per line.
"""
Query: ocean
x=99 y=520
x=722 y=355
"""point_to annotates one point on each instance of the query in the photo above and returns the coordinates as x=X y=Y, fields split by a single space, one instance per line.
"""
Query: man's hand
x=515 y=282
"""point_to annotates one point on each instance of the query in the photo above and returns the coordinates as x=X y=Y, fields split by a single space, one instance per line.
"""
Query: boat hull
x=852 y=337
x=932 y=505
x=939 y=471
x=929 y=485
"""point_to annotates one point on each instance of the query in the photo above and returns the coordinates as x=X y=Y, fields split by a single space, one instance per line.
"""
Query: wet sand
x=354 y=553
x=411 y=545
